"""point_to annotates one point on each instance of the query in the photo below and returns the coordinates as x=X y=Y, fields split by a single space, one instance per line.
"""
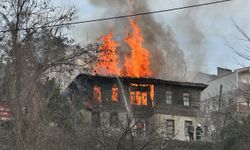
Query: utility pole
x=220 y=97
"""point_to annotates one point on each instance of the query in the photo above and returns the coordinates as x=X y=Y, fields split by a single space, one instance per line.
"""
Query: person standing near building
x=191 y=132
x=198 y=132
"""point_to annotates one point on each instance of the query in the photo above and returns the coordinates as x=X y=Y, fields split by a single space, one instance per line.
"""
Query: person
x=198 y=132
x=191 y=132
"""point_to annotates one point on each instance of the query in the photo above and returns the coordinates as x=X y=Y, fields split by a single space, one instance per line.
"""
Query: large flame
x=107 y=57
x=137 y=64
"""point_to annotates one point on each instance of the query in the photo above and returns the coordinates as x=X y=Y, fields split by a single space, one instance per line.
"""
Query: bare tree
x=33 y=42
x=242 y=53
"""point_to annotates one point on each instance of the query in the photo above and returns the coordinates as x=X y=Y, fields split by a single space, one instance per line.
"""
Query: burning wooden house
x=116 y=89
x=168 y=106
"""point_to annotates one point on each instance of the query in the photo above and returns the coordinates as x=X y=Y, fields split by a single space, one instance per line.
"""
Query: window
x=140 y=127
x=138 y=98
x=97 y=94
x=96 y=120
x=114 y=119
x=186 y=97
x=168 y=97
x=114 y=97
x=139 y=94
x=170 y=128
x=187 y=123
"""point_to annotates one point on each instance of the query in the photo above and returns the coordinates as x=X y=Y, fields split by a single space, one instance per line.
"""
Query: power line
x=122 y=16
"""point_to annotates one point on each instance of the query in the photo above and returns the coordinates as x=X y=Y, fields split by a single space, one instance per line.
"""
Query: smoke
x=167 y=59
x=193 y=36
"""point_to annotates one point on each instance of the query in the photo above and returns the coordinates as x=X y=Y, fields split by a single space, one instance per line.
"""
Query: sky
x=213 y=23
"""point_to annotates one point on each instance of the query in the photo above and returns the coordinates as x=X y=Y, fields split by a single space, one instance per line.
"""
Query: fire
x=137 y=64
x=138 y=98
x=114 y=97
x=152 y=94
x=108 y=59
x=140 y=93
x=97 y=94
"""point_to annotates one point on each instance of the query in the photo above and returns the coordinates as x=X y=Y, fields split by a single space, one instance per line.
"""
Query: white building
x=226 y=97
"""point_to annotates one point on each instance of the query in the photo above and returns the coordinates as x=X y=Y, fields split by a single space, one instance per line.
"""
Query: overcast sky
x=213 y=22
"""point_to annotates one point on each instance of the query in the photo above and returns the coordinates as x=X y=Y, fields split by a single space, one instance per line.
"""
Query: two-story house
x=168 y=107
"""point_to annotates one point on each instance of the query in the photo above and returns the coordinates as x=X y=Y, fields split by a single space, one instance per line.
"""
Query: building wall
x=177 y=95
x=154 y=116
x=156 y=123
x=177 y=107
x=234 y=86
x=229 y=83
x=159 y=123
x=104 y=117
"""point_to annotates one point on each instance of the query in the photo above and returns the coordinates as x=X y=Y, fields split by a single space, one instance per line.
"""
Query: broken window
x=138 y=98
x=168 y=97
x=96 y=119
x=187 y=124
x=186 y=98
x=114 y=119
x=114 y=97
x=170 y=128
x=141 y=93
x=97 y=94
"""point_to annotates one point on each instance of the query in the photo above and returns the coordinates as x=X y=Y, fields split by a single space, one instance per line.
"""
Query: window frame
x=115 y=89
x=96 y=122
x=139 y=97
x=97 y=94
x=114 y=119
x=168 y=97
x=186 y=99
x=141 y=131
x=170 y=133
